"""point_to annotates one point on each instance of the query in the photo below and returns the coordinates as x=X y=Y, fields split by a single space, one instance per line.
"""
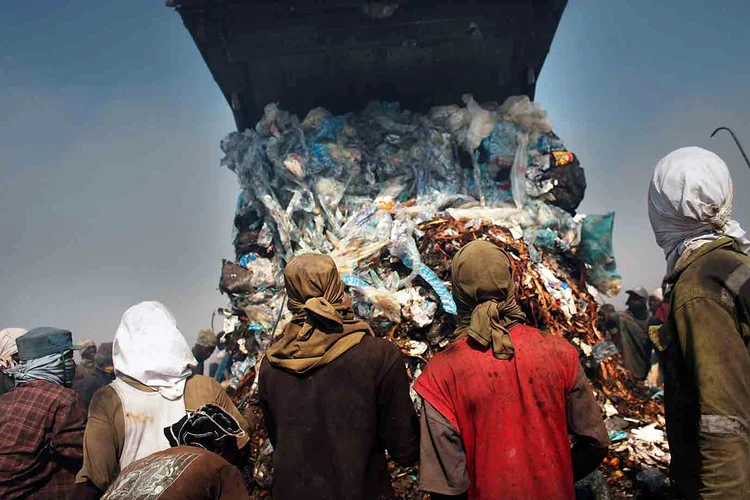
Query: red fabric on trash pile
x=510 y=414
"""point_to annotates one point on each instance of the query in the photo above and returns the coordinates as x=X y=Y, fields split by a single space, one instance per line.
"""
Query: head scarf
x=206 y=338
x=484 y=291
x=8 y=347
x=149 y=348
x=210 y=427
x=690 y=203
x=657 y=294
x=323 y=327
x=50 y=368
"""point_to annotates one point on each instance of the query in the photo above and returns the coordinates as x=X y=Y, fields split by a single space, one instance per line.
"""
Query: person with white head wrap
x=704 y=343
x=149 y=348
x=690 y=203
x=153 y=389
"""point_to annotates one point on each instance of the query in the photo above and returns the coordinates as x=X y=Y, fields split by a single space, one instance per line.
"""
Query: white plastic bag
x=518 y=171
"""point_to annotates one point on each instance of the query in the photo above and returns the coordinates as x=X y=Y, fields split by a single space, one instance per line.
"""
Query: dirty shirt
x=41 y=436
x=510 y=414
x=635 y=344
x=181 y=473
x=105 y=432
x=330 y=427
x=705 y=350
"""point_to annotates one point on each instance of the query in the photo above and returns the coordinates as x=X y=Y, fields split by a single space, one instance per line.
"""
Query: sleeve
x=586 y=424
x=221 y=399
x=717 y=359
x=102 y=443
x=442 y=459
x=67 y=431
x=268 y=419
x=232 y=484
x=398 y=426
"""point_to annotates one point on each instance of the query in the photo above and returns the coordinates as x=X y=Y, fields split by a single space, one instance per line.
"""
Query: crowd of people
x=137 y=419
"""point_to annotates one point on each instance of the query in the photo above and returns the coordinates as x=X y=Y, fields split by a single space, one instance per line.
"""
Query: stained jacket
x=704 y=348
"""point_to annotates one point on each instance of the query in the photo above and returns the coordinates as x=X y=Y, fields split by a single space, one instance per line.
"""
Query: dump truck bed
x=340 y=55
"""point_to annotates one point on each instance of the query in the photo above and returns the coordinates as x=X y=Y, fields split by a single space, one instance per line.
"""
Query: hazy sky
x=110 y=123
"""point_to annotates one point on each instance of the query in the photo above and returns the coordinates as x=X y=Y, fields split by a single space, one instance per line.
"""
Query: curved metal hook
x=737 y=141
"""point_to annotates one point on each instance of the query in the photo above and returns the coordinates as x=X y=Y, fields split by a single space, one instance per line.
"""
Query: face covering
x=52 y=368
x=639 y=309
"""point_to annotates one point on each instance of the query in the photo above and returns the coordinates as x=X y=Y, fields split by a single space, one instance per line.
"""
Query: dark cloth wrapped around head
x=483 y=288
x=323 y=326
x=209 y=427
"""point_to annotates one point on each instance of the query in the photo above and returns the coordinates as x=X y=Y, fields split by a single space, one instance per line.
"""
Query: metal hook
x=737 y=141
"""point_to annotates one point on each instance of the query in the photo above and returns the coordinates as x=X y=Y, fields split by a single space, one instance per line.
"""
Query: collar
x=683 y=264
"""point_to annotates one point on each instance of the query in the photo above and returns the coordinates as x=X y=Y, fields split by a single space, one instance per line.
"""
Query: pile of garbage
x=391 y=196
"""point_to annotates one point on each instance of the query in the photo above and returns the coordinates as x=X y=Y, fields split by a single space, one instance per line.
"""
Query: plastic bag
x=518 y=171
x=405 y=248
x=529 y=115
x=235 y=278
x=603 y=350
x=597 y=252
x=481 y=124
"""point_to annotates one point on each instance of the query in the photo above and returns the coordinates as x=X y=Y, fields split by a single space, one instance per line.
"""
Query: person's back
x=181 y=473
x=500 y=401
x=330 y=428
x=333 y=396
x=41 y=423
x=706 y=356
x=510 y=414
x=35 y=456
x=153 y=389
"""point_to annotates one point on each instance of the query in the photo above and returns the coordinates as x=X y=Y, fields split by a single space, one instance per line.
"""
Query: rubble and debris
x=391 y=196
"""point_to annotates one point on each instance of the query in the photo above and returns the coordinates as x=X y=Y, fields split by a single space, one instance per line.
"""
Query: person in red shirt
x=500 y=401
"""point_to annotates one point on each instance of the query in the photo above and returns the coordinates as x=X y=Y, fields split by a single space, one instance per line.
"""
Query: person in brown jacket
x=705 y=343
x=333 y=396
x=154 y=388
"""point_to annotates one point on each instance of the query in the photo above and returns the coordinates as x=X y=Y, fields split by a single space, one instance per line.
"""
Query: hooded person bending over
x=334 y=397
x=500 y=401
x=705 y=341
x=154 y=389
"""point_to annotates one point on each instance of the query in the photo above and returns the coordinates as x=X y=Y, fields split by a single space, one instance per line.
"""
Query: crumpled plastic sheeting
x=391 y=195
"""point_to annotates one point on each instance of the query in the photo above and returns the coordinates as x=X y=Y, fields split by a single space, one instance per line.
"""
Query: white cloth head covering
x=690 y=203
x=658 y=293
x=149 y=348
x=8 y=347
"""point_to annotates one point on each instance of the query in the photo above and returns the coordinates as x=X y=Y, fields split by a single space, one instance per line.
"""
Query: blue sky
x=111 y=191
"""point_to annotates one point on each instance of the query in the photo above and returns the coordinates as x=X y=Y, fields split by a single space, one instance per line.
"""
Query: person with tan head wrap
x=500 y=401
x=334 y=397
x=8 y=356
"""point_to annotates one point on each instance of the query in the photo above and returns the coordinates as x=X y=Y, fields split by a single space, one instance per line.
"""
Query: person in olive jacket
x=704 y=342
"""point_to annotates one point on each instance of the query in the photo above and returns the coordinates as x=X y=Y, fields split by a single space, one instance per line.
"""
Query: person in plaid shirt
x=41 y=420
